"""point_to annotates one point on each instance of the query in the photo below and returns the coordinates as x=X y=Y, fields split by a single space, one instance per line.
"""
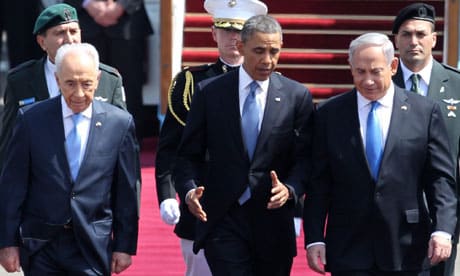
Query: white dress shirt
x=50 y=69
x=261 y=93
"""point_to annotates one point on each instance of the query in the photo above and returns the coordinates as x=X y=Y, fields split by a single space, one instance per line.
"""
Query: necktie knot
x=250 y=119
x=415 y=79
x=76 y=117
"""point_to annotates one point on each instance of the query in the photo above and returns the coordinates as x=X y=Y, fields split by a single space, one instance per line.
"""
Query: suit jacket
x=133 y=24
x=26 y=84
x=385 y=223
x=101 y=203
x=444 y=88
x=179 y=101
x=213 y=132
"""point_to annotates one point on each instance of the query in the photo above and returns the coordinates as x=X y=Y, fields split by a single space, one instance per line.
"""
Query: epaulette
x=450 y=68
x=109 y=69
x=21 y=66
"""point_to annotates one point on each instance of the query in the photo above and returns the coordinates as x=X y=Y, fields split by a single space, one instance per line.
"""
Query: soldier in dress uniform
x=228 y=19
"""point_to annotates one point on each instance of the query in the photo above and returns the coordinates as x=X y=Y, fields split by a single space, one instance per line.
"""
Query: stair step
x=314 y=22
x=339 y=7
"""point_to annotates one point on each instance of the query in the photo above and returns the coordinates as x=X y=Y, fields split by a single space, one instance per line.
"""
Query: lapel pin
x=404 y=107
x=277 y=99
x=441 y=90
x=98 y=124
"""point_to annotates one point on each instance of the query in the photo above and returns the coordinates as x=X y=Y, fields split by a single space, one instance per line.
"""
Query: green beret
x=55 y=15
x=418 y=11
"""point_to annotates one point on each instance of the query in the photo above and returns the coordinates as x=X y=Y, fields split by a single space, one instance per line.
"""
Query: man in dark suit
x=377 y=151
x=34 y=80
x=119 y=29
x=245 y=206
x=415 y=37
x=71 y=206
x=228 y=22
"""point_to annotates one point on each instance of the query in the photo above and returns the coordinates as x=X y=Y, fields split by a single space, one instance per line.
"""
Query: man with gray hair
x=377 y=150
x=69 y=179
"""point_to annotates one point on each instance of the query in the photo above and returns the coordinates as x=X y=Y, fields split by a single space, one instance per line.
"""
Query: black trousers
x=60 y=257
x=374 y=272
x=229 y=249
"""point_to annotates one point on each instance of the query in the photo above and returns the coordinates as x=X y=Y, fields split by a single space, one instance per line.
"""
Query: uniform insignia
x=26 y=101
x=98 y=124
x=231 y=3
x=451 y=106
x=404 y=107
x=277 y=99
x=442 y=89
x=102 y=99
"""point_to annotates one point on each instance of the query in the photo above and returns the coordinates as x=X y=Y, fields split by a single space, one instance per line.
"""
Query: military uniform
x=26 y=84
x=179 y=102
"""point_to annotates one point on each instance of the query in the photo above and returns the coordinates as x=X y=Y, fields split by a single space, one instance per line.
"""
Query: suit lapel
x=439 y=77
x=38 y=81
x=97 y=119
x=273 y=108
x=398 y=120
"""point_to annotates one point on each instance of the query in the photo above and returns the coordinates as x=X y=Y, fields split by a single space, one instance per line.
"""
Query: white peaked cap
x=231 y=14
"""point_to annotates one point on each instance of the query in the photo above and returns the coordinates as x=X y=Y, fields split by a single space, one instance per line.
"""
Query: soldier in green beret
x=418 y=71
x=228 y=19
x=34 y=80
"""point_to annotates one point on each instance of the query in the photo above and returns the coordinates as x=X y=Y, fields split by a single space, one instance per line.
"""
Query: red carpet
x=158 y=251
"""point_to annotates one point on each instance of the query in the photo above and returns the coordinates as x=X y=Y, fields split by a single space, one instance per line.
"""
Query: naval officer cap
x=231 y=14
x=418 y=11
x=54 y=15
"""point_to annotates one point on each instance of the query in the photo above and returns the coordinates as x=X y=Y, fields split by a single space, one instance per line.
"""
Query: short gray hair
x=260 y=23
x=78 y=48
x=373 y=39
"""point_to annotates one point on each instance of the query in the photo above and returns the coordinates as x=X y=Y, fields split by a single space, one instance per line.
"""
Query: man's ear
x=41 y=41
x=239 y=46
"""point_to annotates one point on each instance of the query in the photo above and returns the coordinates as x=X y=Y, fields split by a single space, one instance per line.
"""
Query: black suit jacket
x=26 y=84
x=41 y=197
x=213 y=132
x=384 y=223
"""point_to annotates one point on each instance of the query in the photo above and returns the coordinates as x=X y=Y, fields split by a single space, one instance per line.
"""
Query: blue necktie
x=73 y=146
x=374 y=141
x=250 y=119
x=250 y=126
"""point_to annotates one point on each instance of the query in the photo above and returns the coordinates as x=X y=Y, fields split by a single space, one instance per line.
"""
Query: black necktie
x=415 y=78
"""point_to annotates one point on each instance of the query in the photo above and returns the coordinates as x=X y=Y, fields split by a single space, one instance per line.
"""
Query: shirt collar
x=50 y=66
x=245 y=80
x=67 y=112
x=386 y=100
x=425 y=73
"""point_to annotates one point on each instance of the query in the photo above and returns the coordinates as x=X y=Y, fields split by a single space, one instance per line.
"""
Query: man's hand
x=280 y=193
x=9 y=259
x=439 y=249
x=192 y=199
x=316 y=257
x=120 y=262
x=169 y=211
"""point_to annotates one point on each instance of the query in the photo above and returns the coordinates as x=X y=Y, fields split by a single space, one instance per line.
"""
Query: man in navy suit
x=371 y=187
x=246 y=204
x=72 y=212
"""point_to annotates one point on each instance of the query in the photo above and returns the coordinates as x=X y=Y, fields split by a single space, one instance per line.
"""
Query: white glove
x=169 y=211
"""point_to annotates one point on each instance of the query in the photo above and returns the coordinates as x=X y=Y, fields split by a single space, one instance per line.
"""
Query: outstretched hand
x=280 y=193
x=192 y=199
